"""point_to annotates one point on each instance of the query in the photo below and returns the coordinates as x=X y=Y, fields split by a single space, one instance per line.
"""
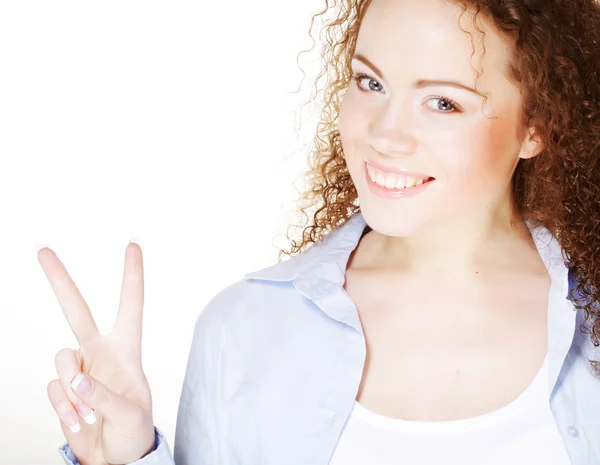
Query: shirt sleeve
x=160 y=455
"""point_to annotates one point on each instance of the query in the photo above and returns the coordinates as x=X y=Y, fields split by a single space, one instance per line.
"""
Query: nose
x=391 y=133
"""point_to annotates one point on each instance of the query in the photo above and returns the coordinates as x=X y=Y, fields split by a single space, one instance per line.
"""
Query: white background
x=172 y=122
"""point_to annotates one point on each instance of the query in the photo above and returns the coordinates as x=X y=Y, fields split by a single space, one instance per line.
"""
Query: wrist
x=152 y=445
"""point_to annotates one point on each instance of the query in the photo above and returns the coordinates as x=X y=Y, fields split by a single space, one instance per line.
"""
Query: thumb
x=112 y=406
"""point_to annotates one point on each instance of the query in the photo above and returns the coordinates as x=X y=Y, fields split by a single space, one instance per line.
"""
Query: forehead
x=430 y=38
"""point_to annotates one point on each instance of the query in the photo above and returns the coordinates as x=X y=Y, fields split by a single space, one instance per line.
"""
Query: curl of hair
x=556 y=63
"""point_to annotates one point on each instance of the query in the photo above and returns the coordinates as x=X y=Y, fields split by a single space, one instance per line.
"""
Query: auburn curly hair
x=556 y=63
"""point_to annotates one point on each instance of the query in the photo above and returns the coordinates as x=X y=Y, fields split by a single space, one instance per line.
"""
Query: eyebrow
x=420 y=83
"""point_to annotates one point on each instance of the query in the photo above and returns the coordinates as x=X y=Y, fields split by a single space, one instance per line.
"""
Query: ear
x=532 y=145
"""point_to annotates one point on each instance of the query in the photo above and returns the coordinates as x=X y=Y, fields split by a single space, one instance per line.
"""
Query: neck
x=466 y=245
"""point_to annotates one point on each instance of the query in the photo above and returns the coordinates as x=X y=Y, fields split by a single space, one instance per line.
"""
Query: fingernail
x=134 y=239
x=72 y=422
x=81 y=384
x=86 y=412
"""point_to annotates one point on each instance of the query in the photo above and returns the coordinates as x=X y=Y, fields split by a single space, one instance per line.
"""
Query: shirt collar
x=323 y=265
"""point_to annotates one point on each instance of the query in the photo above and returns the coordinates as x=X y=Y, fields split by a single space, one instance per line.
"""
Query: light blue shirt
x=277 y=358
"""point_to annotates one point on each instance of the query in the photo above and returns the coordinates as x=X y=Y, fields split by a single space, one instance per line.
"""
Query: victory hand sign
x=109 y=367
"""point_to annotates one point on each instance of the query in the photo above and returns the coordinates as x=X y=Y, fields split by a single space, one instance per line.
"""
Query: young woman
x=448 y=306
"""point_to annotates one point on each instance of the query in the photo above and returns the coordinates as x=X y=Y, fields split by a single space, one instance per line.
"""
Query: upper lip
x=391 y=169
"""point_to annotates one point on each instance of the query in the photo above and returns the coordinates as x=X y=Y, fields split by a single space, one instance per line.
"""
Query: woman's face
x=398 y=119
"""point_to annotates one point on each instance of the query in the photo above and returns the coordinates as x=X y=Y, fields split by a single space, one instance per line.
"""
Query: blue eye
x=359 y=77
x=454 y=107
x=447 y=102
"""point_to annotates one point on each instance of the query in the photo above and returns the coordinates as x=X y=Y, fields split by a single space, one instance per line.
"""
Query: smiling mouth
x=395 y=180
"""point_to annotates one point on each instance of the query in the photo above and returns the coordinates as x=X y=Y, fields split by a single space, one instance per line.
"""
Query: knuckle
x=51 y=389
x=105 y=395
x=49 y=386
x=61 y=355
x=53 y=386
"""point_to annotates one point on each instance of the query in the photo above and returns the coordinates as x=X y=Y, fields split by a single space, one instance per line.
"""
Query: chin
x=398 y=225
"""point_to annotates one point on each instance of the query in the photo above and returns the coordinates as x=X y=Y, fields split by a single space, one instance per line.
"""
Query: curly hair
x=556 y=63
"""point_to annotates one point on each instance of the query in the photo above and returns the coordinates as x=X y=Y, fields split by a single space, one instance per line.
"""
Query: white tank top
x=520 y=433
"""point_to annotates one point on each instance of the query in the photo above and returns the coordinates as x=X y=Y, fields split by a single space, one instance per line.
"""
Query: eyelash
x=360 y=76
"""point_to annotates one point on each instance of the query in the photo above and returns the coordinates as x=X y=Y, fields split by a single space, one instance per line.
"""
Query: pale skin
x=120 y=396
x=448 y=348
x=452 y=296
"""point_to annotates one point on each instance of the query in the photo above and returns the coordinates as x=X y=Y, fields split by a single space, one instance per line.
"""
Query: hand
x=120 y=396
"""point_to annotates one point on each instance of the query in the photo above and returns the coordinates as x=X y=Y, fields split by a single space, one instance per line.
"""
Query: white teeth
x=400 y=182
x=393 y=181
x=390 y=181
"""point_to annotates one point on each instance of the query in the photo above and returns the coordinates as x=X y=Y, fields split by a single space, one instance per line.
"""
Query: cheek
x=478 y=159
x=349 y=122
x=353 y=126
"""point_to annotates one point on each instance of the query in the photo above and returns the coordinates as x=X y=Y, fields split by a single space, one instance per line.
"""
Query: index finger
x=74 y=307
